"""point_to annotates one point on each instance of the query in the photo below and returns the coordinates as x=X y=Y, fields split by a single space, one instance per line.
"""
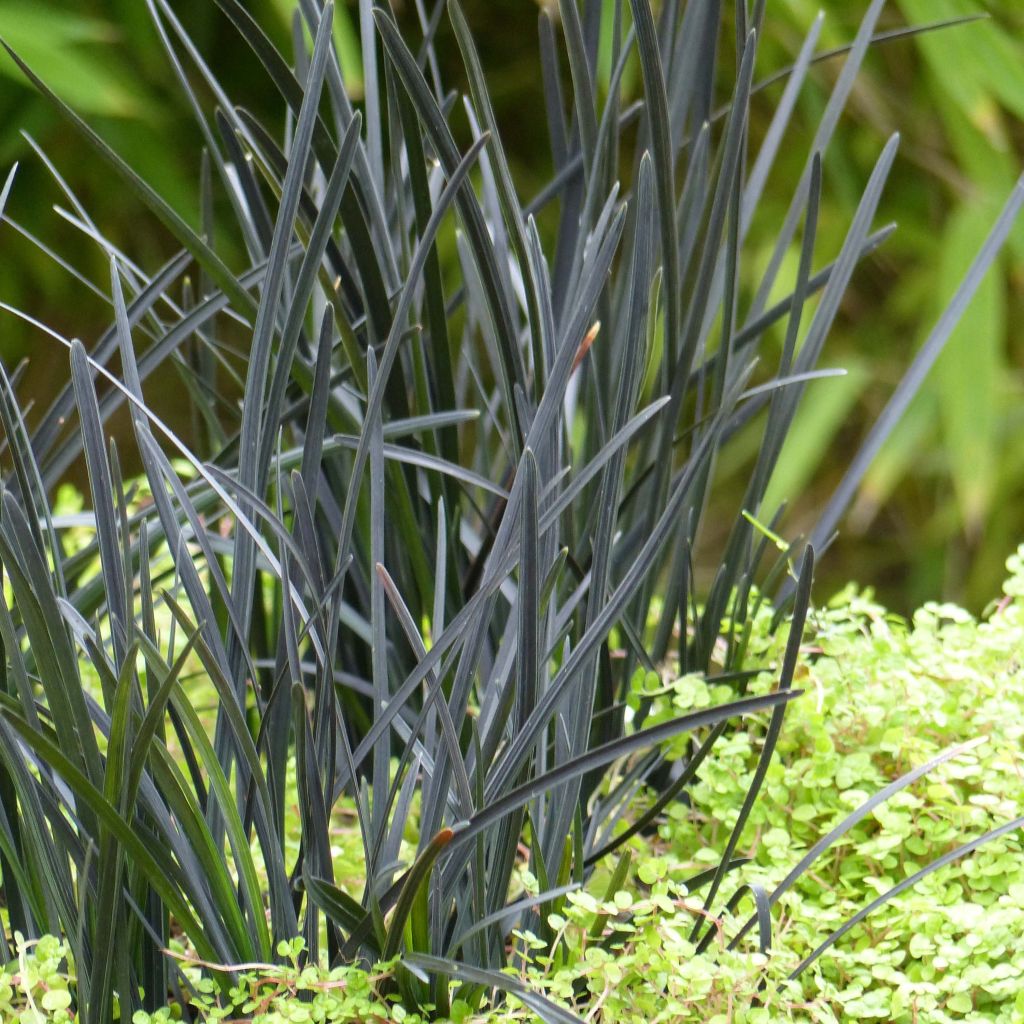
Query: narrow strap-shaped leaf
x=440 y=367
x=414 y=889
x=529 y=655
x=780 y=121
x=316 y=417
x=28 y=476
x=371 y=92
x=155 y=872
x=663 y=800
x=254 y=407
x=108 y=955
x=907 y=883
x=49 y=641
x=451 y=190
x=548 y=1011
x=510 y=912
x=553 y=99
x=877 y=38
x=789 y=662
x=414 y=457
x=612 y=751
x=457 y=626
x=507 y=198
x=435 y=699
x=875 y=800
x=583 y=85
x=368 y=260
x=373 y=433
x=661 y=151
x=313 y=813
x=604 y=619
x=822 y=137
x=102 y=489
x=300 y=295
x=273 y=855
x=511 y=363
x=336 y=904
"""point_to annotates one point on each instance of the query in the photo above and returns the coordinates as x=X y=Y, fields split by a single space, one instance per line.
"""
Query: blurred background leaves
x=940 y=509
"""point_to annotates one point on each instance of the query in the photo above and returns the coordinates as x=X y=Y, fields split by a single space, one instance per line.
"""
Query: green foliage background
x=939 y=510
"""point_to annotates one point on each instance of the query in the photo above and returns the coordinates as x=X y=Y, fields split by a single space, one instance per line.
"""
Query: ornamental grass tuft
x=441 y=501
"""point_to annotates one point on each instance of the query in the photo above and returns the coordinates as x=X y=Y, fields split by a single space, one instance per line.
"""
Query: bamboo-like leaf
x=915 y=375
x=215 y=267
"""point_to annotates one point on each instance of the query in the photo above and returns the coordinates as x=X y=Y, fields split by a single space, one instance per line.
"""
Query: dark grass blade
x=448 y=735
x=507 y=198
x=907 y=883
x=414 y=457
x=582 y=81
x=546 y=1010
x=509 y=913
x=889 y=36
x=664 y=169
x=301 y=291
x=338 y=906
x=413 y=896
x=313 y=814
x=142 y=856
x=511 y=363
x=109 y=956
x=283 y=917
x=822 y=136
x=875 y=800
x=442 y=354
x=664 y=799
x=789 y=663
x=459 y=623
x=603 y=621
x=523 y=539
x=254 y=403
x=452 y=189
x=612 y=751
x=361 y=198
x=102 y=489
x=27 y=476
x=50 y=644
x=628 y=371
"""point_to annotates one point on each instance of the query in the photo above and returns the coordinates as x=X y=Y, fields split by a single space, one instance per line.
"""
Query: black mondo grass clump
x=442 y=500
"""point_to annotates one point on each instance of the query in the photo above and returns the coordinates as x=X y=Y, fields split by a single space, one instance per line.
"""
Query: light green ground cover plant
x=451 y=521
x=883 y=696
